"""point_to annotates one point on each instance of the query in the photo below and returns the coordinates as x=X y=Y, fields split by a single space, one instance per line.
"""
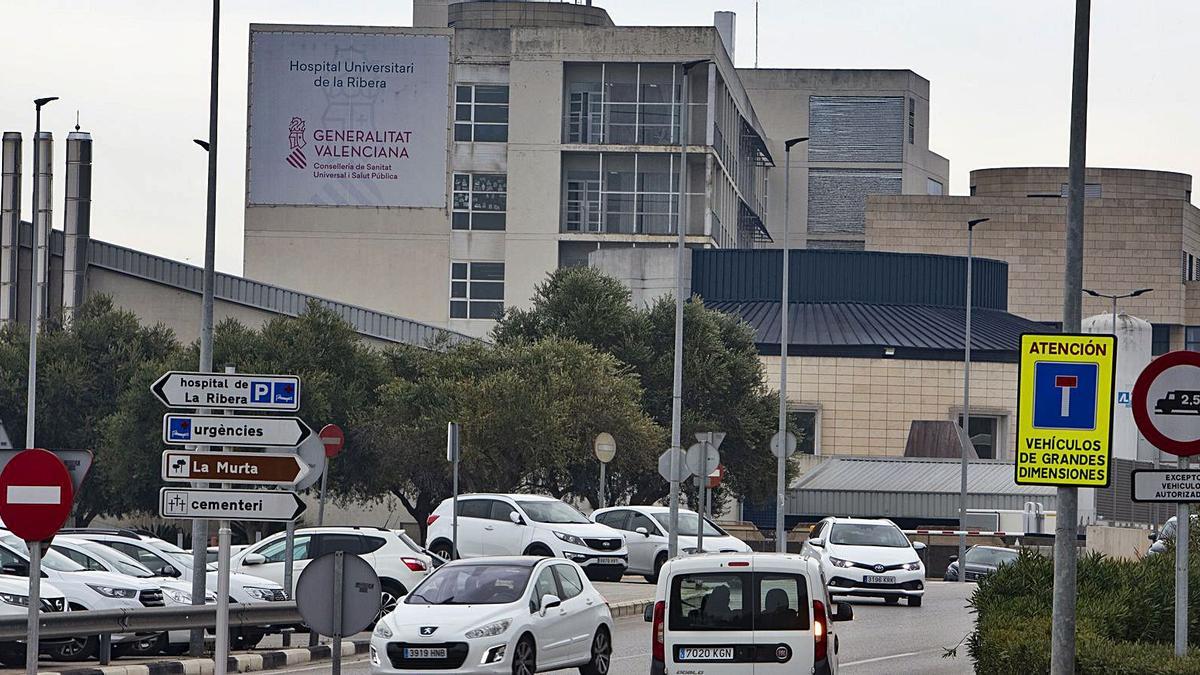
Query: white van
x=743 y=613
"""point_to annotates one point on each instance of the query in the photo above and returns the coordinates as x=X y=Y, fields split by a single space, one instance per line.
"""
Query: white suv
x=14 y=603
x=868 y=557
x=400 y=568
x=499 y=524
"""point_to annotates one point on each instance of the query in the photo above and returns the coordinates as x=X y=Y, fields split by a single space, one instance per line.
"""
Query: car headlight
x=113 y=591
x=912 y=566
x=259 y=593
x=14 y=599
x=570 y=539
x=838 y=562
x=489 y=630
x=382 y=631
x=177 y=596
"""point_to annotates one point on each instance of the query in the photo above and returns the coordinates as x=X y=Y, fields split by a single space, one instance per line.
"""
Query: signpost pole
x=335 y=648
x=703 y=480
x=324 y=482
x=1183 y=525
x=35 y=606
x=289 y=560
x=602 y=500
x=1062 y=635
x=452 y=451
x=221 y=657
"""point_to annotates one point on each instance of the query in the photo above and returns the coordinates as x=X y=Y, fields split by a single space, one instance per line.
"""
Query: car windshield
x=182 y=556
x=552 y=512
x=688 y=523
x=52 y=560
x=990 y=556
x=472 y=585
x=123 y=563
x=868 y=534
x=1168 y=529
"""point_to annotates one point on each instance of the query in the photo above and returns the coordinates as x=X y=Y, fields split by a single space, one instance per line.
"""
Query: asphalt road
x=881 y=640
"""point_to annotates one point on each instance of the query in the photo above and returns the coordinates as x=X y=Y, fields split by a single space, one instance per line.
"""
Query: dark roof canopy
x=864 y=330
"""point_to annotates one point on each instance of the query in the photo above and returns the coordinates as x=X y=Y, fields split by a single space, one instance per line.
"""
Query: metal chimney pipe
x=77 y=220
x=10 y=225
x=43 y=173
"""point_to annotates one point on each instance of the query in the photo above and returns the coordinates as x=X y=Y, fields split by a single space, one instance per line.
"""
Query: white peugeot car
x=646 y=528
x=517 y=615
x=868 y=558
x=495 y=524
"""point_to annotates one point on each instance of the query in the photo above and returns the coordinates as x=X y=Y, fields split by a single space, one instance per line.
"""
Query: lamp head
x=972 y=223
x=787 y=145
x=203 y=144
x=1140 y=291
x=1092 y=293
x=39 y=102
x=688 y=65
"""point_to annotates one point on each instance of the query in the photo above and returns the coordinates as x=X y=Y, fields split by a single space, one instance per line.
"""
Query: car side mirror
x=1153 y=536
x=953 y=558
x=843 y=611
x=817 y=541
x=254 y=559
x=648 y=613
x=515 y=518
x=549 y=602
x=918 y=546
x=643 y=531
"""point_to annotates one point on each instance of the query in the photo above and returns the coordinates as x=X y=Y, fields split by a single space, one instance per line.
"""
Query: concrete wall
x=781 y=99
x=1129 y=543
x=648 y=272
x=865 y=406
x=1130 y=244
x=1020 y=182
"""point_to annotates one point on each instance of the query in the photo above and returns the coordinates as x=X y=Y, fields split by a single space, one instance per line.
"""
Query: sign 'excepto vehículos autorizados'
x=1166 y=485
x=1065 y=396
x=228 y=391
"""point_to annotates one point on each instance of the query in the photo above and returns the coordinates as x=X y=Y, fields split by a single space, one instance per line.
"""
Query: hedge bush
x=1125 y=621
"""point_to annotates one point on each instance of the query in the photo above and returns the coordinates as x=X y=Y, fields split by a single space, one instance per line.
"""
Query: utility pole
x=781 y=461
x=208 y=283
x=1062 y=632
x=966 y=414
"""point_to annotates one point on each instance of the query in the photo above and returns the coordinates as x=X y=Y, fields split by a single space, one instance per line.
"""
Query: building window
x=481 y=113
x=1190 y=267
x=1160 y=339
x=804 y=421
x=623 y=103
x=480 y=201
x=623 y=193
x=1191 y=339
x=1090 y=191
x=856 y=129
x=912 y=121
x=972 y=190
x=933 y=187
x=476 y=290
x=985 y=433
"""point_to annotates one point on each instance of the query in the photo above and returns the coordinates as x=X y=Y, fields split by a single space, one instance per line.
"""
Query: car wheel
x=392 y=592
x=12 y=655
x=892 y=600
x=176 y=649
x=442 y=549
x=658 y=563
x=539 y=550
x=75 y=649
x=601 y=654
x=914 y=601
x=247 y=638
x=150 y=646
x=525 y=657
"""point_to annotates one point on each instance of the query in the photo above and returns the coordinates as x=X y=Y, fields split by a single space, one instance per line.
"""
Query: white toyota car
x=868 y=558
x=516 y=615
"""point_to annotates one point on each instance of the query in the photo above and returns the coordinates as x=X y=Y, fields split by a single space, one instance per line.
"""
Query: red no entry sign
x=334 y=439
x=1166 y=403
x=36 y=494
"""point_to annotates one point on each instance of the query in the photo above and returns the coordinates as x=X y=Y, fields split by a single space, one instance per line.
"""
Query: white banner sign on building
x=347 y=119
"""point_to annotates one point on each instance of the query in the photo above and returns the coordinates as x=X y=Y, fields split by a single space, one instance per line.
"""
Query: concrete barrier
x=1118 y=542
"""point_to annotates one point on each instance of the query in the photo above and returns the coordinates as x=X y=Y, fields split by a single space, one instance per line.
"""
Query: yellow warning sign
x=1064 y=409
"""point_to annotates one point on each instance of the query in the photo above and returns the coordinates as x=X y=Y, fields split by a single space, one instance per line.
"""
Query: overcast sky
x=137 y=72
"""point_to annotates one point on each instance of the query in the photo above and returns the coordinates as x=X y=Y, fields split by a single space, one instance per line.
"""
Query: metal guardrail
x=57 y=625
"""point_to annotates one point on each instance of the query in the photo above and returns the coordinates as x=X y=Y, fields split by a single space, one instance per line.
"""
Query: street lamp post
x=781 y=461
x=966 y=413
x=681 y=245
x=1115 y=298
x=35 y=288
